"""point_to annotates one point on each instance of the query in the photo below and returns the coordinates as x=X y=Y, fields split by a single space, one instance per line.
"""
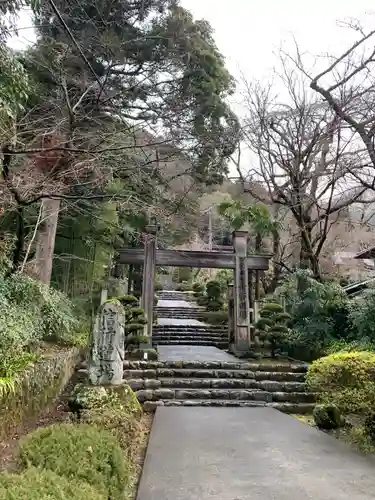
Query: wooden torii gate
x=151 y=257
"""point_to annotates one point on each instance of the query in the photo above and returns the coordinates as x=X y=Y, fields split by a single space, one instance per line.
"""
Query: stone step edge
x=209 y=328
x=296 y=408
x=159 y=374
x=215 y=365
x=191 y=341
x=221 y=383
x=257 y=394
x=189 y=335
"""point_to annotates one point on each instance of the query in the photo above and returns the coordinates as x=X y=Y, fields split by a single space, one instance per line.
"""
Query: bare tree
x=303 y=159
x=347 y=85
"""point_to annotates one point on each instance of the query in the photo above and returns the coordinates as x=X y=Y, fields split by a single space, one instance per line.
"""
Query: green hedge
x=42 y=484
x=37 y=388
x=78 y=452
x=346 y=379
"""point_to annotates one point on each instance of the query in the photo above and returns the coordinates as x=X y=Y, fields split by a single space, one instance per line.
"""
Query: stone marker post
x=241 y=293
x=106 y=360
x=147 y=302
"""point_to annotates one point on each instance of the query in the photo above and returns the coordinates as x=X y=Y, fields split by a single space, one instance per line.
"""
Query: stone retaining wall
x=37 y=389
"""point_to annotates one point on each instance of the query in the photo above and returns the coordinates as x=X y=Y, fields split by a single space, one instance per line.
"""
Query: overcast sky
x=249 y=33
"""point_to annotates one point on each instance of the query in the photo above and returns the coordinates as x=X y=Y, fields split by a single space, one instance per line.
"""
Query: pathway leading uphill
x=218 y=435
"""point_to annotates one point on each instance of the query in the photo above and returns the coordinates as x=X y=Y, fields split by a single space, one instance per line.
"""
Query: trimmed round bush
x=79 y=452
x=327 y=416
x=346 y=379
x=215 y=317
x=43 y=484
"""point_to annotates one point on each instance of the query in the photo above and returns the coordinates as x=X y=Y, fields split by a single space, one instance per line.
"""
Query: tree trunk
x=271 y=287
x=46 y=240
x=308 y=260
x=20 y=239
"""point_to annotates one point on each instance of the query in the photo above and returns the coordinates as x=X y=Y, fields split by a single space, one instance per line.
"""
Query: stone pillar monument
x=147 y=301
x=242 y=334
x=106 y=359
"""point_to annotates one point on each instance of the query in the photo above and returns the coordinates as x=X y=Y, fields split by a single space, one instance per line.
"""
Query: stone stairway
x=220 y=383
x=200 y=335
x=179 y=324
x=173 y=295
x=180 y=312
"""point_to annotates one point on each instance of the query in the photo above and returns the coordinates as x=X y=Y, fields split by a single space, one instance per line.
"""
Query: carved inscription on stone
x=242 y=309
x=107 y=349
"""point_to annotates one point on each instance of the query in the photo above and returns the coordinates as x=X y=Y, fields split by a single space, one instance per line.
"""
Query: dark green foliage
x=318 y=314
x=134 y=321
x=43 y=484
x=215 y=317
x=184 y=274
x=86 y=398
x=327 y=416
x=369 y=425
x=362 y=315
x=29 y=314
x=198 y=287
x=164 y=38
x=183 y=287
x=79 y=452
x=128 y=300
x=213 y=294
x=272 y=325
x=136 y=340
x=202 y=301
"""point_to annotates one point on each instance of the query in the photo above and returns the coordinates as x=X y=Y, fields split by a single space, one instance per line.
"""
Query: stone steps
x=190 y=339
x=224 y=394
x=174 y=295
x=190 y=328
x=215 y=374
x=190 y=335
x=204 y=343
x=199 y=383
x=271 y=367
x=300 y=408
x=250 y=383
x=162 y=313
x=199 y=316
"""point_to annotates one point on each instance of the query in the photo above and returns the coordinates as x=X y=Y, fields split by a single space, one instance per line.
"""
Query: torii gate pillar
x=147 y=301
x=242 y=330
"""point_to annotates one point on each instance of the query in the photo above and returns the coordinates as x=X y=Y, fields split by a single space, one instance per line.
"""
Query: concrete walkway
x=193 y=353
x=248 y=454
